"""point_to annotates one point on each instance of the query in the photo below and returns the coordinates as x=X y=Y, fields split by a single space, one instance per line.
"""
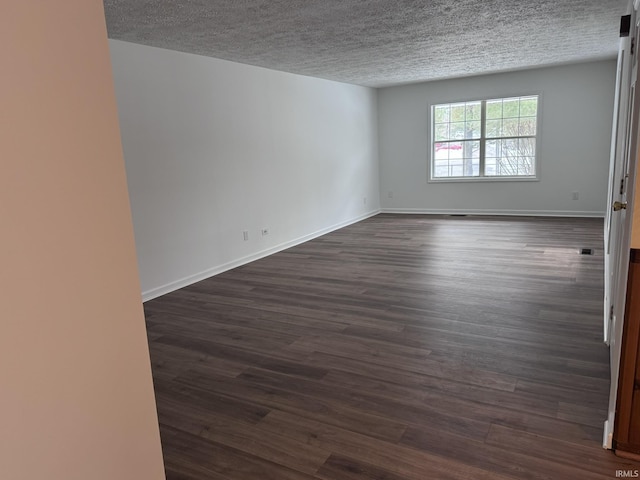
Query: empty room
x=320 y=240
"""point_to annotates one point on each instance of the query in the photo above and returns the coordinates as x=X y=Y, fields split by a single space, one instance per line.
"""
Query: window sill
x=482 y=179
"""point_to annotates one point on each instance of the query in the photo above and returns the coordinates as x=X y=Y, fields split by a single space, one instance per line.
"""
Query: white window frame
x=481 y=177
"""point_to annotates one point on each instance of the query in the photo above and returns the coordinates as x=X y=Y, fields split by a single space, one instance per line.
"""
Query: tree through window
x=484 y=138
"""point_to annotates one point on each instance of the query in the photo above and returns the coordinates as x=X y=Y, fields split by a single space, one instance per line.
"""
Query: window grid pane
x=457 y=121
x=456 y=159
x=510 y=157
x=511 y=117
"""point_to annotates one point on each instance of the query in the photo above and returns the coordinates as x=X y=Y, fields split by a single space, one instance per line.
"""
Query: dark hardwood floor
x=399 y=348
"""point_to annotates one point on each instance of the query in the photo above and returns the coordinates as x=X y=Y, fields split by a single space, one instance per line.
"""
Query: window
x=485 y=139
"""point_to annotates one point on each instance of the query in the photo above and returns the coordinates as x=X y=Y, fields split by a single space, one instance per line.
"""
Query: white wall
x=576 y=108
x=213 y=148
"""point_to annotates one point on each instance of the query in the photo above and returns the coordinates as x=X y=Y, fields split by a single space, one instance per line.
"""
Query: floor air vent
x=586 y=251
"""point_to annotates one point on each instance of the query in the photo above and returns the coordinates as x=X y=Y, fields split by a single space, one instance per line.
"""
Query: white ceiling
x=376 y=42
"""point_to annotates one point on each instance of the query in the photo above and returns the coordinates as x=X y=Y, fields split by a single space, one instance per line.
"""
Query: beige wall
x=76 y=398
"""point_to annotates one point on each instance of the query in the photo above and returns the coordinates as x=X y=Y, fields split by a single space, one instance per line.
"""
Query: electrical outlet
x=245 y=235
x=364 y=200
x=390 y=195
x=575 y=195
x=264 y=231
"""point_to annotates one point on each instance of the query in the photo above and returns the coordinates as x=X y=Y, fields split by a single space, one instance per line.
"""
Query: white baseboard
x=210 y=272
x=526 y=213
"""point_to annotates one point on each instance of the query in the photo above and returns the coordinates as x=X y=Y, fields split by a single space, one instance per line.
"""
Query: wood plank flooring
x=399 y=348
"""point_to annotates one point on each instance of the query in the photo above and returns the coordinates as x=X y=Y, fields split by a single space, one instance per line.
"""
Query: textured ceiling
x=376 y=42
